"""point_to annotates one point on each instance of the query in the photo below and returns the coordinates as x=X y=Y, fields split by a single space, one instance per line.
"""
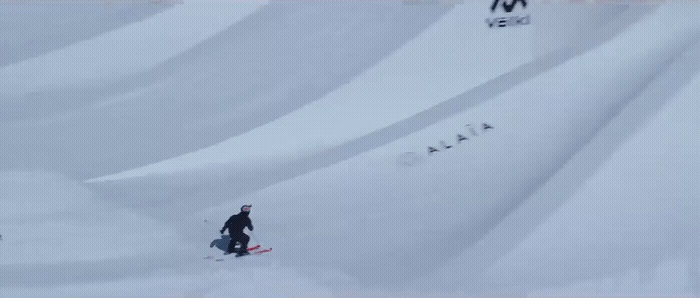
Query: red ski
x=252 y=251
x=257 y=252
x=263 y=251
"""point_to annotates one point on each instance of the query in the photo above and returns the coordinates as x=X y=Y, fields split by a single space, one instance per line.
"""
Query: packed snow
x=388 y=149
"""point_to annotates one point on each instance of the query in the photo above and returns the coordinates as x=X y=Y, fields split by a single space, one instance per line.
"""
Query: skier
x=235 y=225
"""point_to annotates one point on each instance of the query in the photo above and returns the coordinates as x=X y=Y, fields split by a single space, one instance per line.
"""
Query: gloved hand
x=222 y=231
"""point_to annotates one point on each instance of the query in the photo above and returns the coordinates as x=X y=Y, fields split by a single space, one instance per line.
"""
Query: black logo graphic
x=508 y=7
x=460 y=138
x=508 y=20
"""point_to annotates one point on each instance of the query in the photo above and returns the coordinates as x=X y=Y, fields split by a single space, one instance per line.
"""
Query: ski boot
x=242 y=251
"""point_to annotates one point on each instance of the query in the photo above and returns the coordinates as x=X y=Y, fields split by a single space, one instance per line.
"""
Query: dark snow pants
x=242 y=238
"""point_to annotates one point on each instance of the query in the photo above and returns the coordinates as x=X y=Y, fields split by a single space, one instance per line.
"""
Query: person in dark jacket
x=235 y=225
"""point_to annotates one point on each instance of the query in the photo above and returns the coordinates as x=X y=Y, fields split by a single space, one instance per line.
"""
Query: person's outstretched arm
x=228 y=222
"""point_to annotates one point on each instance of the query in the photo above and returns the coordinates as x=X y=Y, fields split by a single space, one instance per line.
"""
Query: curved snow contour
x=272 y=62
x=412 y=79
x=635 y=215
x=437 y=65
x=127 y=50
x=367 y=206
x=190 y=175
x=23 y=37
x=677 y=81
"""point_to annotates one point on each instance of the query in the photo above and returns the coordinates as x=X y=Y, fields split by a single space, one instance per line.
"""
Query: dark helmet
x=246 y=208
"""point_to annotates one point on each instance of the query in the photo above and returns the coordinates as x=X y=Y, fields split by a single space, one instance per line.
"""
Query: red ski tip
x=263 y=251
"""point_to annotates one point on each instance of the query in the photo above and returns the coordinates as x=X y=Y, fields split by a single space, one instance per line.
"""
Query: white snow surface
x=567 y=162
x=130 y=49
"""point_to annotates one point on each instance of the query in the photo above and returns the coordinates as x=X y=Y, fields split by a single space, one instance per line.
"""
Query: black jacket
x=236 y=223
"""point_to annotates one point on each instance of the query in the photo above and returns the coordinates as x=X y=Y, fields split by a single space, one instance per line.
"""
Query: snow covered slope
x=398 y=166
x=23 y=37
x=409 y=81
x=131 y=49
x=338 y=127
x=446 y=202
x=263 y=66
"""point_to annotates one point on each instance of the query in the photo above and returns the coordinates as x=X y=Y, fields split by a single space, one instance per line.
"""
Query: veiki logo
x=508 y=6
